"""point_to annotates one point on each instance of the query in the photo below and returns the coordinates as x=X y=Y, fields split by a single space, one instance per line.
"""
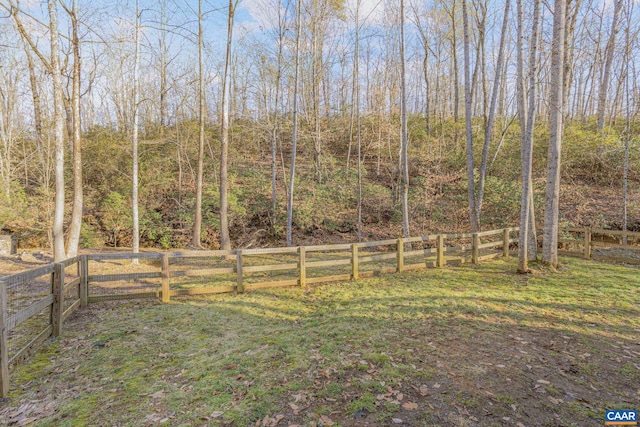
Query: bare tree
x=8 y=126
x=454 y=55
x=606 y=74
x=356 y=106
x=225 y=240
x=403 y=129
x=53 y=67
x=473 y=212
x=527 y=116
x=58 y=114
x=77 y=210
x=476 y=194
x=628 y=118
x=134 y=137
x=202 y=109
x=492 y=111
x=282 y=29
x=556 y=128
x=294 y=137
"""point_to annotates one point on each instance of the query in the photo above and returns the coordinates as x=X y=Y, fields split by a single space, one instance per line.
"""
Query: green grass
x=452 y=341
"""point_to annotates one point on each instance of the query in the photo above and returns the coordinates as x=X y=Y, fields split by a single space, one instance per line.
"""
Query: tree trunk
x=196 y=239
x=527 y=210
x=294 y=142
x=76 y=213
x=556 y=127
x=37 y=121
x=225 y=239
x=58 y=117
x=473 y=214
x=136 y=119
x=163 y=65
x=454 y=55
x=627 y=136
x=276 y=114
x=492 y=112
x=356 y=107
x=606 y=75
x=403 y=133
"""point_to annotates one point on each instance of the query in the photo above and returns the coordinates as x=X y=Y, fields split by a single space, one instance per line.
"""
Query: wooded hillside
x=164 y=114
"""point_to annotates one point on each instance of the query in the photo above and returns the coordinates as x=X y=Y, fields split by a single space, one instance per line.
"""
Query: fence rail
x=34 y=304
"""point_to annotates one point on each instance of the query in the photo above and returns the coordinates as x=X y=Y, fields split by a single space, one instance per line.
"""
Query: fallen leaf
x=410 y=406
x=424 y=390
x=157 y=394
x=294 y=407
x=326 y=420
x=396 y=420
x=217 y=414
x=436 y=385
x=544 y=382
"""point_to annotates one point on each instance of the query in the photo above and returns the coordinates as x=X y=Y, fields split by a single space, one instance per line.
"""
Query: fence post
x=505 y=242
x=84 y=281
x=587 y=243
x=166 y=289
x=440 y=261
x=354 y=261
x=240 y=285
x=474 y=248
x=58 y=298
x=302 y=266
x=4 y=347
x=400 y=252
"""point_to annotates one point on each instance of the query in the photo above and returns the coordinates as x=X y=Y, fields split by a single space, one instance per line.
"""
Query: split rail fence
x=34 y=304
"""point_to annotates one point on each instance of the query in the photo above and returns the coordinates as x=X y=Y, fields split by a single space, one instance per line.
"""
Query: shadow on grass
x=471 y=346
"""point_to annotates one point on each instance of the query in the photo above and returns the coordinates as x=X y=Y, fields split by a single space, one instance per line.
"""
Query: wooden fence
x=34 y=304
x=600 y=244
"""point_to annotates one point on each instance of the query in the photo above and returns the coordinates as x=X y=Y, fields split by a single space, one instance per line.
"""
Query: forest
x=278 y=122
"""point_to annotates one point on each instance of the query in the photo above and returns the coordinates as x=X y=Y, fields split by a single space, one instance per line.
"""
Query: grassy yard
x=463 y=346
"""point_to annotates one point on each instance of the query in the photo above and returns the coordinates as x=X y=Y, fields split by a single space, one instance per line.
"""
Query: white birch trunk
x=556 y=127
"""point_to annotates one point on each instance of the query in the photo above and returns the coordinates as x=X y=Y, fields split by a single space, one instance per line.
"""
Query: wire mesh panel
x=490 y=244
x=123 y=276
x=458 y=248
x=378 y=257
x=420 y=252
x=71 y=286
x=327 y=263
x=275 y=267
x=571 y=241
x=28 y=309
x=192 y=273
x=615 y=245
